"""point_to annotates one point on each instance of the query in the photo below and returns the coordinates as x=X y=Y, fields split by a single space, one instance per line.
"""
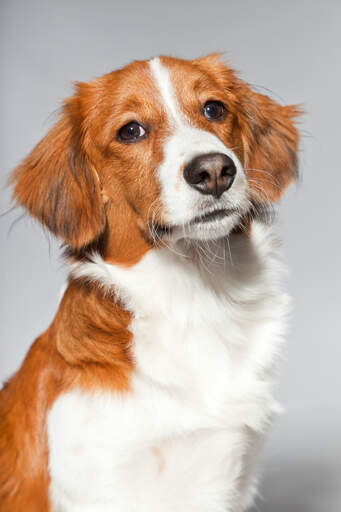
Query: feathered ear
x=270 y=143
x=57 y=184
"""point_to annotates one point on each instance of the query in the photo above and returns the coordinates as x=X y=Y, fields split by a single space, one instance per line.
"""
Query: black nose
x=212 y=173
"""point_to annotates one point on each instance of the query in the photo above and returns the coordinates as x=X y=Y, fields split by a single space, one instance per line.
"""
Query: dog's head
x=164 y=148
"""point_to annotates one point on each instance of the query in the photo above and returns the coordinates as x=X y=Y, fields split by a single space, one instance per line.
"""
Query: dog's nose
x=212 y=173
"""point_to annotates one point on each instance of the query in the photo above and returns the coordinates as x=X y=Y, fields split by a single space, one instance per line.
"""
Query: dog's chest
x=176 y=440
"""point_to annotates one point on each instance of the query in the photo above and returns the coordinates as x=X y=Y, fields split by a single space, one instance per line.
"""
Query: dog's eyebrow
x=203 y=82
x=207 y=85
x=127 y=104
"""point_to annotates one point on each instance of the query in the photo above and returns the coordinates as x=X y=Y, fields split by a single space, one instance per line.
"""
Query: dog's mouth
x=162 y=230
x=200 y=223
x=213 y=216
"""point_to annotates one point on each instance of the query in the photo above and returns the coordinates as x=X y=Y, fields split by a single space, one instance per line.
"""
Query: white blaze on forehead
x=164 y=84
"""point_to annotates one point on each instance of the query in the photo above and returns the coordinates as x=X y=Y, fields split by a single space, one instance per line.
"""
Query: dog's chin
x=211 y=226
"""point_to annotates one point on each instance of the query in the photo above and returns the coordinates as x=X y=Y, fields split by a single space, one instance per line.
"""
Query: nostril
x=204 y=176
x=228 y=170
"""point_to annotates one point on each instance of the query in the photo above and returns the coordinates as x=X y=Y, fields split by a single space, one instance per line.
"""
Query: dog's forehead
x=180 y=80
x=133 y=83
x=157 y=81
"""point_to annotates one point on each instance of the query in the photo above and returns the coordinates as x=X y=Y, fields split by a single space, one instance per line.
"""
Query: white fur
x=206 y=336
x=180 y=201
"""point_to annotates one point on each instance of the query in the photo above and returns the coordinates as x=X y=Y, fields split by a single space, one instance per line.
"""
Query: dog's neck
x=164 y=274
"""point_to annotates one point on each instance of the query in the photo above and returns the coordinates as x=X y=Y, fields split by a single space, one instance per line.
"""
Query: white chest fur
x=206 y=339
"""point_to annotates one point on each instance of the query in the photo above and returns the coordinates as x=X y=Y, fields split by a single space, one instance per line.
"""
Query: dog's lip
x=162 y=230
x=213 y=215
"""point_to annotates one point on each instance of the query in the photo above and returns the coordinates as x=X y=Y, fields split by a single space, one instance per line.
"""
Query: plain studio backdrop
x=290 y=50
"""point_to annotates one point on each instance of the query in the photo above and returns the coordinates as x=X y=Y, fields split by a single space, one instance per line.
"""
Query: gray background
x=291 y=48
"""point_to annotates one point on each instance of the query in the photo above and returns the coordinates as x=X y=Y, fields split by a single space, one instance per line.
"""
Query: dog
x=153 y=388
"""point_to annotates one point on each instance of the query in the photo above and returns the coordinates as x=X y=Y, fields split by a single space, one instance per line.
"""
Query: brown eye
x=214 y=110
x=131 y=132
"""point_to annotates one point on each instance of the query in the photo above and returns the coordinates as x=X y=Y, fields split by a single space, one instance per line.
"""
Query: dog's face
x=164 y=148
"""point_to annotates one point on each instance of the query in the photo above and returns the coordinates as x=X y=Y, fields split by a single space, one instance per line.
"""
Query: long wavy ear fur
x=57 y=184
x=270 y=144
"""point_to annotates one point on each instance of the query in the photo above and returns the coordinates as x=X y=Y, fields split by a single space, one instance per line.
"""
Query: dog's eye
x=131 y=132
x=214 y=110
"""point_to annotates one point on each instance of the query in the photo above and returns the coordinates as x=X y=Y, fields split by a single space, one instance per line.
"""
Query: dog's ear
x=58 y=184
x=269 y=142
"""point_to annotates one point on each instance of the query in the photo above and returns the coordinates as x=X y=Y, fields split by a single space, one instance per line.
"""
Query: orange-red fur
x=92 y=191
x=87 y=346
